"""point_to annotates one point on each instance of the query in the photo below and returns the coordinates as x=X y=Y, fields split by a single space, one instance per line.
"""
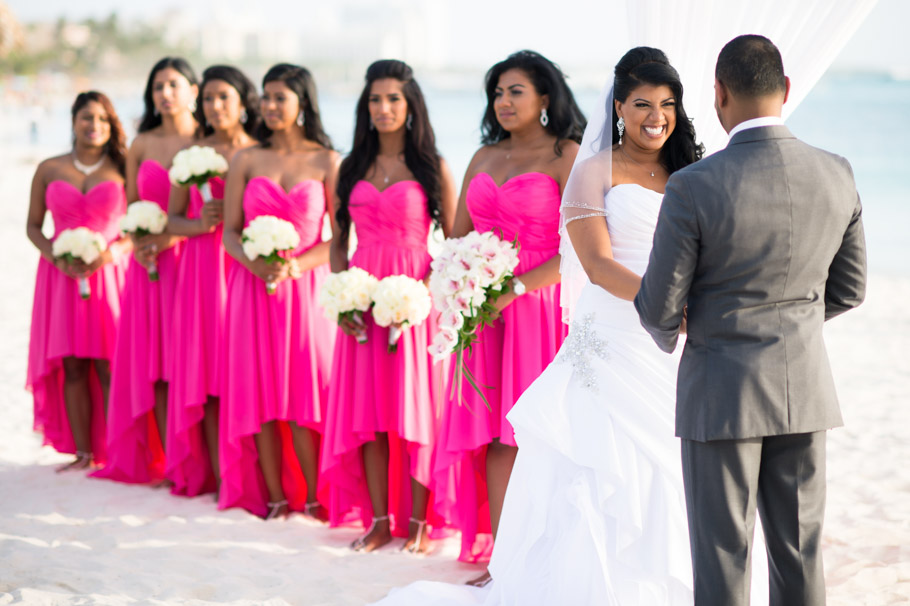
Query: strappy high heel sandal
x=415 y=546
x=315 y=510
x=360 y=542
x=275 y=509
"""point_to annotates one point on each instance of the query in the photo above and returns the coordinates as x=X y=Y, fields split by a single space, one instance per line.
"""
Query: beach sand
x=68 y=539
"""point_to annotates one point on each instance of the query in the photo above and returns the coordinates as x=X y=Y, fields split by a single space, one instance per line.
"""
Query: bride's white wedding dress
x=595 y=511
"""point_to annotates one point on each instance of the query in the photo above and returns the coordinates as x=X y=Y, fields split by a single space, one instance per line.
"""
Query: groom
x=755 y=248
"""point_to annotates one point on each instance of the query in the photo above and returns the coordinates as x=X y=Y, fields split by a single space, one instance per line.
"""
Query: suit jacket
x=764 y=242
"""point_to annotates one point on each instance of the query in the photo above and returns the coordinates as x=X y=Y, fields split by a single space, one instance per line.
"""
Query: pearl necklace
x=87 y=169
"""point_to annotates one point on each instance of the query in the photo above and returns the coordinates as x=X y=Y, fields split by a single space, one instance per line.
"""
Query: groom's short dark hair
x=751 y=66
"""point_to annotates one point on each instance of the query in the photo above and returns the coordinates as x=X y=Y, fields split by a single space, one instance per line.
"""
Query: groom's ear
x=722 y=94
x=786 y=88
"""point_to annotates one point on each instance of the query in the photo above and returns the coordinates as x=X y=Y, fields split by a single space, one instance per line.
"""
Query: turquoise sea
x=862 y=117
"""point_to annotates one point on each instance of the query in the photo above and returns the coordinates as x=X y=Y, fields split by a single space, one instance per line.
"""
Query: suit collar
x=761 y=133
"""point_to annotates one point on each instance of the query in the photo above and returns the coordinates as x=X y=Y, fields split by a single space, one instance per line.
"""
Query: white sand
x=66 y=539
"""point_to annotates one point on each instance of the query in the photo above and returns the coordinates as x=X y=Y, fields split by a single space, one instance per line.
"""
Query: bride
x=595 y=511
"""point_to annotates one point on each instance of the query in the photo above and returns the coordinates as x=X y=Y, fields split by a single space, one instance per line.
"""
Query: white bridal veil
x=809 y=34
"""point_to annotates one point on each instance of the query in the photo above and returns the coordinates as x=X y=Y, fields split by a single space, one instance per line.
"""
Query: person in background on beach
x=278 y=346
x=143 y=357
x=394 y=186
x=227 y=111
x=531 y=130
x=74 y=326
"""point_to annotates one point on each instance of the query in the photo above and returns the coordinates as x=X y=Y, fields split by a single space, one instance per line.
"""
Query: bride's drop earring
x=621 y=127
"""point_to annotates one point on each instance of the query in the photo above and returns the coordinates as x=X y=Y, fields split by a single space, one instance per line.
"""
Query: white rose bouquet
x=265 y=237
x=79 y=243
x=142 y=219
x=347 y=294
x=196 y=165
x=400 y=301
x=468 y=276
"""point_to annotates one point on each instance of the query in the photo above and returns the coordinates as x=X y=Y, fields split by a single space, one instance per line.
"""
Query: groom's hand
x=684 y=325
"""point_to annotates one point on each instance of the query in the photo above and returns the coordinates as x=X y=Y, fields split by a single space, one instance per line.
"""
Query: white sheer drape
x=809 y=34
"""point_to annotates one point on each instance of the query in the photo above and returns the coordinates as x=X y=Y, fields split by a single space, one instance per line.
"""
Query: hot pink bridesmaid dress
x=64 y=325
x=506 y=358
x=199 y=313
x=375 y=391
x=278 y=351
x=143 y=354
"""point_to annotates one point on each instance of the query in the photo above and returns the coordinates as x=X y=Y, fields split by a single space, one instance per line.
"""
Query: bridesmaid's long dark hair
x=244 y=87
x=420 y=154
x=566 y=119
x=301 y=82
x=646 y=65
x=115 y=148
x=150 y=119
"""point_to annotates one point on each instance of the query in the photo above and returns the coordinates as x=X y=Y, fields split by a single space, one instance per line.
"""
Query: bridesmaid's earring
x=372 y=126
x=621 y=128
x=409 y=122
x=155 y=112
x=544 y=118
x=300 y=118
x=243 y=117
x=192 y=106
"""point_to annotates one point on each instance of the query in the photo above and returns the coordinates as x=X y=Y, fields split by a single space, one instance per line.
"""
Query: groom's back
x=771 y=213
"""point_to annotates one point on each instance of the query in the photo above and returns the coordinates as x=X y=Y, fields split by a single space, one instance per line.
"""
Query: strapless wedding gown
x=595 y=510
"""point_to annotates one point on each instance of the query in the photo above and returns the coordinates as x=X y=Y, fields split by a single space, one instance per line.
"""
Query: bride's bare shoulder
x=597 y=165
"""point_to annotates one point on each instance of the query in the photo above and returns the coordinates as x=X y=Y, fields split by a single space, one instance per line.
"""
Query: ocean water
x=862 y=117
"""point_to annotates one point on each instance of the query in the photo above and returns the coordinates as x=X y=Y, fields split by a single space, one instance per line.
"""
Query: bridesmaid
x=279 y=346
x=513 y=185
x=381 y=419
x=142 y=360
x=228 y=112
x=72 y=340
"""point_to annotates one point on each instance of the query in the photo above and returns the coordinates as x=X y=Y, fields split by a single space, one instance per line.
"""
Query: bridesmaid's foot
x=165 y=483
x=379 y=534
x=418 y=540
x=83 y=460
x=315 y=510
x=481 y=581
x=278 y=509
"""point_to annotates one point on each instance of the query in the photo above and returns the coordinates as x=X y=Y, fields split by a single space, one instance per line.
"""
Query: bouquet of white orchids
x=469 y=274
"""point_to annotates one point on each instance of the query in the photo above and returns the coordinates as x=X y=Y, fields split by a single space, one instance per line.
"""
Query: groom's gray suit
x=763 y=241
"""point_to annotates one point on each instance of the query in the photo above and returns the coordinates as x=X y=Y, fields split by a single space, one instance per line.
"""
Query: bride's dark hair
x=566 y=119
x=646 y=65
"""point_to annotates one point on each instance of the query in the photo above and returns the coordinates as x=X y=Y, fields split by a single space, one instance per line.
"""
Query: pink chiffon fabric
x=199 y=313
x=506 y=358
x=64 y=325
x=376 y=391
x=143 y=354
x=278 y=351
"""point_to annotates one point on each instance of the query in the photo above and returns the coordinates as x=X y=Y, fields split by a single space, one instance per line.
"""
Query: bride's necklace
x=634 y=160
x=87 y=169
